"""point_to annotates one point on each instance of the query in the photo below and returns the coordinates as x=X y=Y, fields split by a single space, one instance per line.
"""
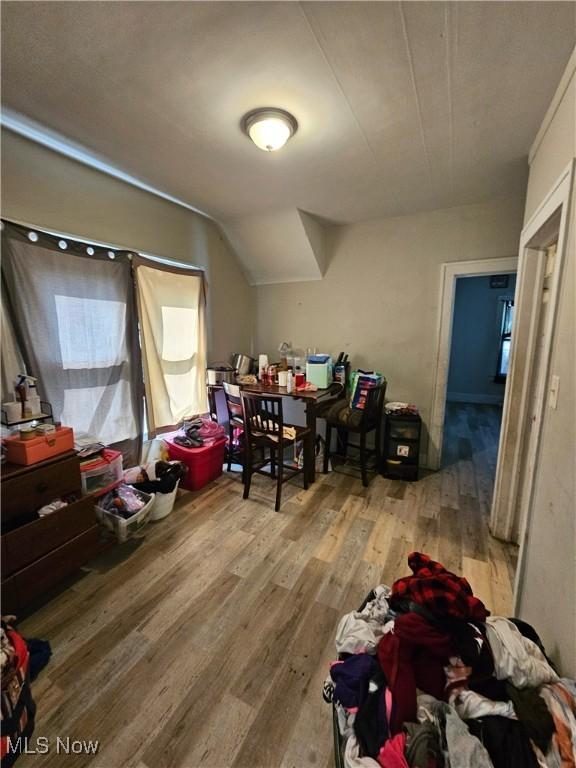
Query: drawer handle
x=42 y=487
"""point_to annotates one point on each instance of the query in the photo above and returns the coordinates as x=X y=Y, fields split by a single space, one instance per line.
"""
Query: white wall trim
x=479 y=398
x=507 y=490
x=449 y=272
x=554 y=104
x=561 y=195
x=33 y=131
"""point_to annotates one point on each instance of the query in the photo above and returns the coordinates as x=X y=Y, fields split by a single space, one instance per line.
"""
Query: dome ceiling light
x=269 y=128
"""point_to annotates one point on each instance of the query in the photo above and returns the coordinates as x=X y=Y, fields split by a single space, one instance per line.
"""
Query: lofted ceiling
x=402 y=107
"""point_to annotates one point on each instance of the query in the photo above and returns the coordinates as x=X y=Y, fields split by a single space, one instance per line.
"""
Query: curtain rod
x=100 y=244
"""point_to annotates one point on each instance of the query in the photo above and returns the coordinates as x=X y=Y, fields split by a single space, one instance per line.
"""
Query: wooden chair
x=235 y=421
x=361 y=423
x=265 y=428
x=212 y=403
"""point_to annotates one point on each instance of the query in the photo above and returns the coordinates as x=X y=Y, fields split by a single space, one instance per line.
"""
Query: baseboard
x=466 y=397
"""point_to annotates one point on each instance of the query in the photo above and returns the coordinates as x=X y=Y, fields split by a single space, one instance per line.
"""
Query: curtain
x=11 y=361
x=172 y=305
x=75 y=320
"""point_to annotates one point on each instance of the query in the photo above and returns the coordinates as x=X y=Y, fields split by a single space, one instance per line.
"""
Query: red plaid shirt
x=438 y=590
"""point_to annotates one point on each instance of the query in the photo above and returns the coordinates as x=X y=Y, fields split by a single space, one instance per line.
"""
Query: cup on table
x=282 y=378
x=299 y=379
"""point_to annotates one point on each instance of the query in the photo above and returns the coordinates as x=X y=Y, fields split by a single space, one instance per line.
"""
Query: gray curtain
x=74 y=316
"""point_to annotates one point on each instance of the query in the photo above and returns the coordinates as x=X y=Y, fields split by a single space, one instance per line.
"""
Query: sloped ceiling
x=402 y=107
x=278 y=247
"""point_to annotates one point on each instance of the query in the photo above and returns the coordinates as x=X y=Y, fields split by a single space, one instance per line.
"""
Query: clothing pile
x=123 y=501
x=426 y=678
x=156 y=477
x=18 y=707
x=193 y=433
x=401 y=409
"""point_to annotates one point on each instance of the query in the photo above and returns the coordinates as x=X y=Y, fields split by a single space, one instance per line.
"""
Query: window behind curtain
x=76 y=325
x=173 y=336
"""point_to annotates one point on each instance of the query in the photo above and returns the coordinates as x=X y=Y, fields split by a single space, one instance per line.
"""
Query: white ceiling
x=402 y=107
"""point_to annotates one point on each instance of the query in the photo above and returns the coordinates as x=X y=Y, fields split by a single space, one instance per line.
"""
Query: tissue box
x=319 y=370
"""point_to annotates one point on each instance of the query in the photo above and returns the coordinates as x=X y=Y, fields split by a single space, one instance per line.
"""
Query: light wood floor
x=206 y=643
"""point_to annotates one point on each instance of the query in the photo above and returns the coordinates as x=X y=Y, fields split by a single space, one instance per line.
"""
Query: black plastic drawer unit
x=401 y=446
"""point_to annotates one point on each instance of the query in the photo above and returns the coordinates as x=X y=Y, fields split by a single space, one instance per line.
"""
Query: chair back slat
x=263 y=415
x=374 y=403
x=233 y=396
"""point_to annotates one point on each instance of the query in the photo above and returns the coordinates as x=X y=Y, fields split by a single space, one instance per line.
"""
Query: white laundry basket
x=125 y=528
x=163 y=504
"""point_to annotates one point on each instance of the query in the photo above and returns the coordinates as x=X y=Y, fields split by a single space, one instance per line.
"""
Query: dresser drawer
x=10 y=602
x=29 y=542
x=45 y=573
x=25 y=493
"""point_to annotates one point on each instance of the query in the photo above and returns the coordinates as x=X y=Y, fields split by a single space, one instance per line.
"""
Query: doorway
x=451 y=272
x=478 y=367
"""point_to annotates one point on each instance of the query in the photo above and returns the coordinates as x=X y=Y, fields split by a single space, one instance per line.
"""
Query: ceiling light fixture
x=269 y=127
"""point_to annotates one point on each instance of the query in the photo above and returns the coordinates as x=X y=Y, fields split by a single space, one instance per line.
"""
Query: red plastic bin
x=204 y=464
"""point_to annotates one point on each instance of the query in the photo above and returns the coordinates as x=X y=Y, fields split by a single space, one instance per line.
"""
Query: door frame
x=515 y=458
x=449 y=273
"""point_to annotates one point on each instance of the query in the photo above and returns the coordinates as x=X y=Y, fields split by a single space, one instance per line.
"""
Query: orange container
x=39 y=448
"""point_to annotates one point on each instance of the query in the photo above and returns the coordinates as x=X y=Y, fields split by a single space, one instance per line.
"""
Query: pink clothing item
x=392 y=753
x=210 y=430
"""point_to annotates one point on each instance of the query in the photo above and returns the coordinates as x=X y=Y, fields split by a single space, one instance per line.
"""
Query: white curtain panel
x=172 y=309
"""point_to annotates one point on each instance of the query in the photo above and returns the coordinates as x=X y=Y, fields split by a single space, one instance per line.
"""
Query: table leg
x=311 y=442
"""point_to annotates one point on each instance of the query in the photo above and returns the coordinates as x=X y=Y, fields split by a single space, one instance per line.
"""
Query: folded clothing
x=460 y=748
x=469 y=704
x=534 y=715
x=123 y=501
x=505 y=740
x=156 y=477
x=351 y=679
x=422 y=748
x=413 y=655
x=561 y=700
x=441 y=591
x=360 y=631
x=392 y=753
x=516 y=658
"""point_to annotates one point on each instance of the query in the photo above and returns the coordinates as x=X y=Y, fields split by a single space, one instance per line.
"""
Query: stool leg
x=379 y=447
x=327 y=448
x=305 y=468
x=279 y=472
x=230 y=443
x=363 y=467
x=342 y=441
x=247 y=474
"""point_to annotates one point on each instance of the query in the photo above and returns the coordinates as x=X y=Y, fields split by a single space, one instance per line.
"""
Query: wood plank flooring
x=205 y=643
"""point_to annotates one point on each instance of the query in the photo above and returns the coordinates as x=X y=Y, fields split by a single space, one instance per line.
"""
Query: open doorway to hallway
x=479 y=353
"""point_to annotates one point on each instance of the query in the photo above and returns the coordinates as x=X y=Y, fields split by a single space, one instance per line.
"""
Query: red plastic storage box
x=204 y=464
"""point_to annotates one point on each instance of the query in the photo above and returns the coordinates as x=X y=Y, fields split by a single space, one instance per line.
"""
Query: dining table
x=311 y=398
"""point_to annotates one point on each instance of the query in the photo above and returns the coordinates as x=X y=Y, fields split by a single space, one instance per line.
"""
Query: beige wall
x=379 y=298
x=547 y=591
x=49 y=190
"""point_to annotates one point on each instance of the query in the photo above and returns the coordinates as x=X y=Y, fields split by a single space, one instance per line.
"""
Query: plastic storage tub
x=125 y=528
x=204 y=464
x=39 y=448
x=163 y=504
x=102 y=473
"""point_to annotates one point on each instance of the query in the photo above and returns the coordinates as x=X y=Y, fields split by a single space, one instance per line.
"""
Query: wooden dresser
x=37 y=553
